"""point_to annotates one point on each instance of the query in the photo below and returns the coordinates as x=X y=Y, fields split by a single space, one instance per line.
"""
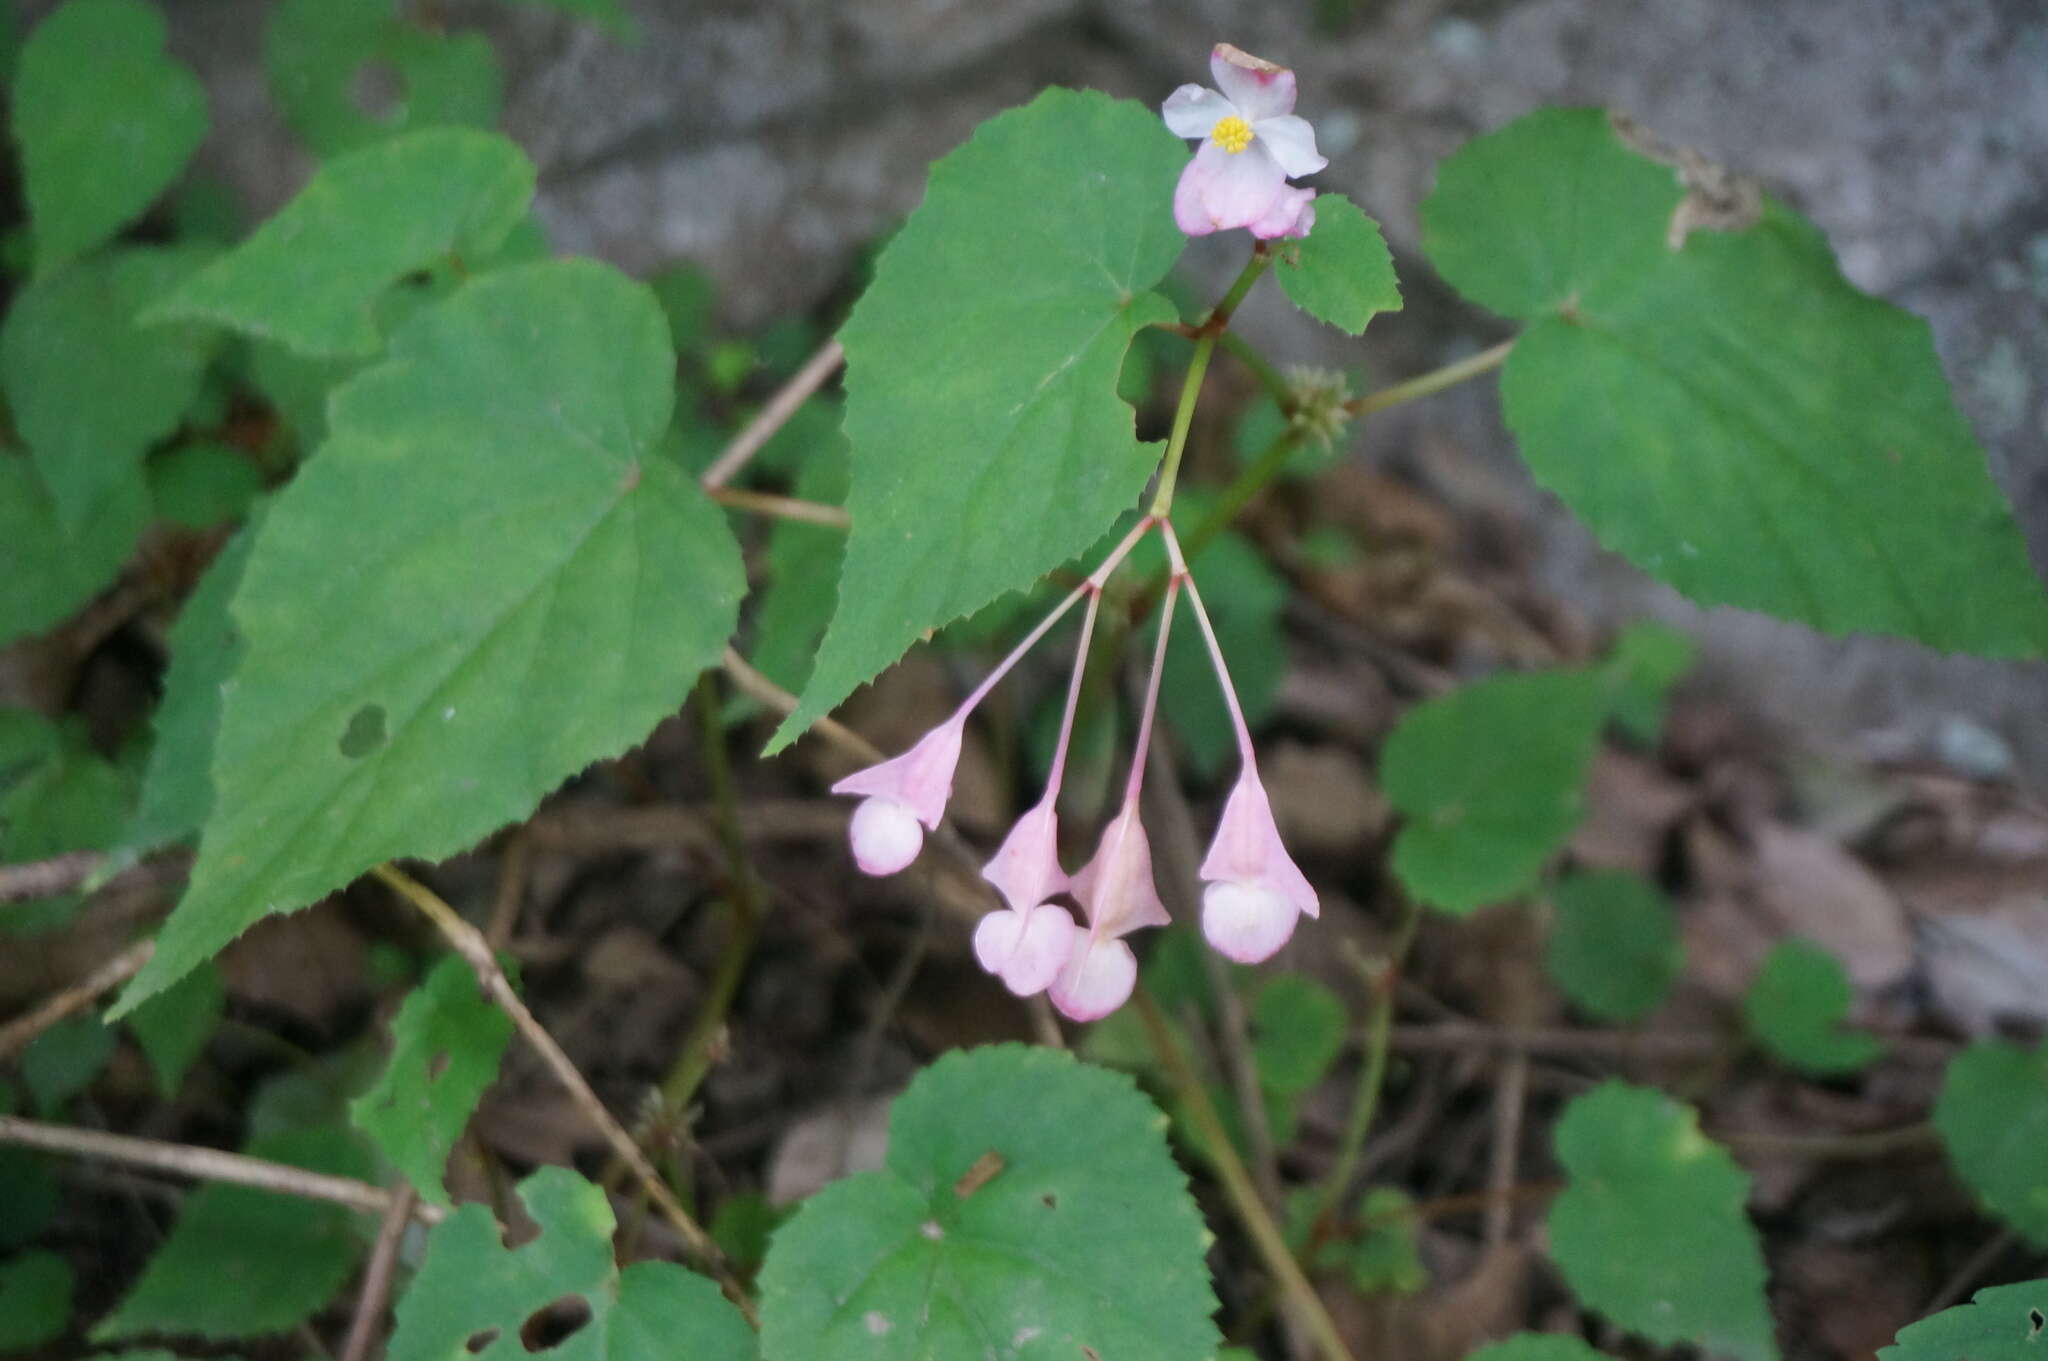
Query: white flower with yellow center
x=1252 y=144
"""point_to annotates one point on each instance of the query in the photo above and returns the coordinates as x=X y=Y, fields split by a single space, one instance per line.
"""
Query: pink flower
x=903 y=793
x=1252 y=144
x=1115 y=888
x=1255 y=891
x=1027 y=944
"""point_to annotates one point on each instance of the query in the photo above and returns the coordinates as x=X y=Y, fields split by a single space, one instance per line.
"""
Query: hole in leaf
x=554 y=1324
x=364 y=733
x=437 y=1065
x=478 y=1341
x=377 y=91
x=2035 y=1318
x=1050 y=1201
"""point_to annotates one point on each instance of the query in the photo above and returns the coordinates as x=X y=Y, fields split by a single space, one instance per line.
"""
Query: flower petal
x=1223 y=191
x=1116 y=887
x=1042 y=951
x=1097 y=980
x=1026 y=868
x=1195 y=110
x=1190 y=212
x=1292 y=215
x=1247 y=849
x=1258 y=88
x=1246 y=922
x=1293 y=144
x=921 y=779
x=885 y=836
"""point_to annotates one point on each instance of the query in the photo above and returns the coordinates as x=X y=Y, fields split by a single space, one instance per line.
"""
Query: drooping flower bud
x=903 y=792
x=1255 y=890
x=1027 y=949
x=1026 y=868
x=1116 y=888
x=886 y=836
x=1097 y=980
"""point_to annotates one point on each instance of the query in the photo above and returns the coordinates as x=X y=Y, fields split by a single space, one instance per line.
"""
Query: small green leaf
x=445 y=1045
x=1719 y=405
x=28 y=1193
x=89 y=389
x=1341 y=272
x=1538 y=1347
x=472 y=1293
x=105 y=121
x=177 y=785
x=1297 y=1029
x=241 y=1262
x=1614 y=950
x=2000 y=1323
x=316 y=52
x=203 y=484
x=742 y=1227
x=53 y=569
x=1491 y=778
x=1645 y=662
x=1029 y=1209
x=174 y=1026
x=1796 y=1005
x=1993 y=1115
x=1384 y=1260
x=690 y=302
x=989 y=445
x=65 y=798
x=531 y=588
x=368 y=217
x=64 y=1060
x=608 y=15
x=35 y=1300
x=794 y=609
x=1650 y=1230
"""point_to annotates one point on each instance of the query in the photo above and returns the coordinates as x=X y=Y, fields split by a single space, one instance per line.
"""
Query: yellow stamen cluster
x=1233 y=134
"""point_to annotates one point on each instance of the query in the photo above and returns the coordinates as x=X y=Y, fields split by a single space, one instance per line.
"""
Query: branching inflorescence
x=1252 y=142
x=1253 y=893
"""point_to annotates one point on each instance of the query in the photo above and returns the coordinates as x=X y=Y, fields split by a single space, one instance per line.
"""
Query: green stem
x=1436 y=380
x=1262 y=368
x=1365 y=1104
x=1248 y=483
x=1237 y=1184
x=743 y=901
x=1191 y=388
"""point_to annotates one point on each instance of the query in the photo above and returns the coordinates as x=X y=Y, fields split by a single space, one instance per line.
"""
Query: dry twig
x=772 y=417
x=369 y=1314
x=16 y=1034
x=43 y=878
x=203 y=1164
x=471 y=945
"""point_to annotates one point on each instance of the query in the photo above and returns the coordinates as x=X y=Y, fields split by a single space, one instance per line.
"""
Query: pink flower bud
x=1027 y=949
x=1097 y=980
x=885 y=836
x=1245 y=922
x=1026 y=869
x=1255 y=891
x=1116 y=887
x=903 y=792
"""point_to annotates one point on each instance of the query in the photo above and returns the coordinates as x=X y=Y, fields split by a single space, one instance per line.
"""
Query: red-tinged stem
x=1179 y=567
x=1137 y=777
x=1093 y=585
